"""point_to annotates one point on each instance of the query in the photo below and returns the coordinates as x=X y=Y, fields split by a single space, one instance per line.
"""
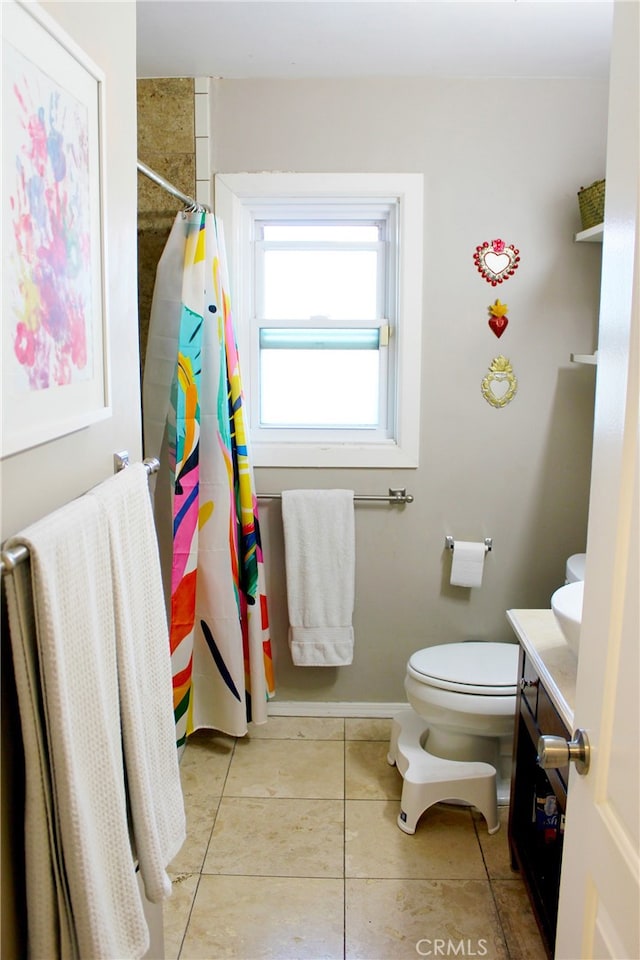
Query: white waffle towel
x=144 y=672
x=319 y=534
x=63 y=617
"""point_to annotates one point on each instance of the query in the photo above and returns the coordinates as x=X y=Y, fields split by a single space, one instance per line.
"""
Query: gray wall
x=500 y=159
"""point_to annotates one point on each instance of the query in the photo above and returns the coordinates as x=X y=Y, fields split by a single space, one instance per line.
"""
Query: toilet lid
x=486 y=669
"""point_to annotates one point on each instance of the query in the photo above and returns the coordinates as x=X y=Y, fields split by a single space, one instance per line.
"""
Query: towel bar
x=395 y=495
x=9 y=558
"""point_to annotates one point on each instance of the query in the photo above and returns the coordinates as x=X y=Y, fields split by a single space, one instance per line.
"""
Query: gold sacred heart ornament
x=500 y=385
x=496 y=261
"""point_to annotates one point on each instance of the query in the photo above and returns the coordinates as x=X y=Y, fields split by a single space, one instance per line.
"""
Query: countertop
x=554 y=661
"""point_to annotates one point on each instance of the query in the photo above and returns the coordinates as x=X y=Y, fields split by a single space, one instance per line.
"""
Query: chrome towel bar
x=396 y=495
x=9 y=558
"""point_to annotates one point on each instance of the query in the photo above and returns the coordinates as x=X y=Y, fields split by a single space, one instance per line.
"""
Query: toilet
x=455 y=742
x=575 y=566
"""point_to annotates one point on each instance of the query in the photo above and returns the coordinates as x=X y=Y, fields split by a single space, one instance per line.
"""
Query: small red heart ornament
x=498 y=325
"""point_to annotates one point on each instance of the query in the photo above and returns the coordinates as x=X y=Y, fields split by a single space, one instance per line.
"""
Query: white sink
x=566 y=604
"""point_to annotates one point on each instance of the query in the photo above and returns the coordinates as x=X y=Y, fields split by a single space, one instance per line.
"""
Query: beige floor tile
x=205 y=763
x=398 y=919
x=175 y=912
x=443 y=847
x=495 y=848
x=368 y=776
x=367 y=728
x=298 y=728
x=279 y=838
x=287 y=768
x=200 y=812
x=518 y=923
x=266 y=918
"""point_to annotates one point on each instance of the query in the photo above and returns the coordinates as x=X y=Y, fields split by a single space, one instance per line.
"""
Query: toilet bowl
x=456 y=741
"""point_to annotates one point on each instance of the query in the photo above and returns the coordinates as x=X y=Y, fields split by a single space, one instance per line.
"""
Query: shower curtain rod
x=169 y=187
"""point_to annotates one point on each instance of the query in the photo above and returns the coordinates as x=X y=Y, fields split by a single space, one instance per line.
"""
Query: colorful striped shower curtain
x=204 y=496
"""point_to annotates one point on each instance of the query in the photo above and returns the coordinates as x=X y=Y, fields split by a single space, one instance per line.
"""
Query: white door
x=600 y=885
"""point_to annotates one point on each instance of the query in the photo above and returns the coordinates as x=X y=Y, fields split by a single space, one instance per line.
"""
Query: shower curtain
x=204 y=494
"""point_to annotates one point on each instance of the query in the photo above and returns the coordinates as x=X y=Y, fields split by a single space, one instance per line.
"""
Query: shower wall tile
x=166 y=143
x=202 y=115
x=204 y=193
x=165 y=116
x=203 y=165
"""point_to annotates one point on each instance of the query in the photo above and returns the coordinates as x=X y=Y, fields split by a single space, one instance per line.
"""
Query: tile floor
x=293 y=853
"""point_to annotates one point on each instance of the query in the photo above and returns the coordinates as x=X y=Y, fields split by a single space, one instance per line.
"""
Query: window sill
x=319 y=455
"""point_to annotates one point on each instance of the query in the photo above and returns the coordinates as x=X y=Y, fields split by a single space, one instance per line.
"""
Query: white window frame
x=237 y=196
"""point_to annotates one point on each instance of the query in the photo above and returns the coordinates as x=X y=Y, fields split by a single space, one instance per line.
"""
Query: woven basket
x=591 y=203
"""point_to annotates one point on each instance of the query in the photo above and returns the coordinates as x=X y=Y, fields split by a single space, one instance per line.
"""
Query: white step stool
x=428 y=779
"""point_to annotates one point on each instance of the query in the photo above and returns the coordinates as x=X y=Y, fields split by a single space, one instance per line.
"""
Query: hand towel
x=79 y=717
x=319 y=535
x=144 y=672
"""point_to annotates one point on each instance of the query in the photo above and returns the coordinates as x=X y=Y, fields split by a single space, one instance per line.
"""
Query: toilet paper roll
x=467 y=564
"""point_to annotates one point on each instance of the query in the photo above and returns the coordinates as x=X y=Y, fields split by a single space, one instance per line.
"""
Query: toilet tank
x=575 y=568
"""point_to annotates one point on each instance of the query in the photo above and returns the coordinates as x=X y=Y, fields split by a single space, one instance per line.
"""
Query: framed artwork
x=55 y=371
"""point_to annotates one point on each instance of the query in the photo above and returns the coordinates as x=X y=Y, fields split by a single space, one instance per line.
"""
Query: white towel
x=319 y=535
x=144 y=672
x=75 y=647
x=50 y=924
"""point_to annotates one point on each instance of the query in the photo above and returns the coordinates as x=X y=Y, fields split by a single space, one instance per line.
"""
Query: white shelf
x=592 y=235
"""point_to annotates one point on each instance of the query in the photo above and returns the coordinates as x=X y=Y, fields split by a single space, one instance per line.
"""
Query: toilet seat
x=483 y=669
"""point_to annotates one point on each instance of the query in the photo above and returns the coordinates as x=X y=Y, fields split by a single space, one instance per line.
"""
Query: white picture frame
x=54 y=343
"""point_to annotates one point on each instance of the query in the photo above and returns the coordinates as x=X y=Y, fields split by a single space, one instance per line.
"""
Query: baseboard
x=312 y=708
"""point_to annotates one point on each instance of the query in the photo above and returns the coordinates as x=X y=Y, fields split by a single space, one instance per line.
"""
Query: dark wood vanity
x=546 y=688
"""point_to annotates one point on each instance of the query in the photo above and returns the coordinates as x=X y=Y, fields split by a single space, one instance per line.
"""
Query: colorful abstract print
x=244 y=529
x=50 y=288
x=213 y=458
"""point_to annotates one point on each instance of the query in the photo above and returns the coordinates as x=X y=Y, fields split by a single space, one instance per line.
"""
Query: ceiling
x=322 y=38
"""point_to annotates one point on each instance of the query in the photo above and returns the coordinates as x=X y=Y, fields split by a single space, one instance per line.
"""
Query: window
x=326 y=285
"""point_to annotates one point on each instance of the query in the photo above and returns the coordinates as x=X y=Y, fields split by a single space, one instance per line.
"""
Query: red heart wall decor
x=498 y=318
x=498 y=325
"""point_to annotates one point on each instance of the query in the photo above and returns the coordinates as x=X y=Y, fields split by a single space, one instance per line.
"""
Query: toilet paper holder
x=450 y=543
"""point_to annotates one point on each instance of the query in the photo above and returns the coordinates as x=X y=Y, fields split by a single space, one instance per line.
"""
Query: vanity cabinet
x=538 y=799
